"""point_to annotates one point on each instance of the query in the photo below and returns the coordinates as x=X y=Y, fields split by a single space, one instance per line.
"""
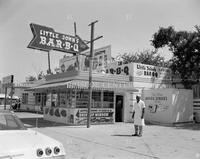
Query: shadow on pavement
x=40 y=122
x=193 y=126
x=189 y=126
x=122 y=135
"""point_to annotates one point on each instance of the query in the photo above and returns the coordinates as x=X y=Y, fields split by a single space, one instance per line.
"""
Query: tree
x=41 y=75
x=149 y=57
x=31 y=78
x=185 y=46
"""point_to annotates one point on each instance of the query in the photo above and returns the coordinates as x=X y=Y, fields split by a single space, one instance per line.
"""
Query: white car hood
x=25 y=142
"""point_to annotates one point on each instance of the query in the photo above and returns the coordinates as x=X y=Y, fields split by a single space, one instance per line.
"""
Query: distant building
x=30 y=100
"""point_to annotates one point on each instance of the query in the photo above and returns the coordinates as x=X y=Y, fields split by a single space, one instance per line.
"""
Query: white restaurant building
x=115 y=86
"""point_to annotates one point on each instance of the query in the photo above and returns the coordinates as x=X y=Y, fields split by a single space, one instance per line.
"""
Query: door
x=118 y=108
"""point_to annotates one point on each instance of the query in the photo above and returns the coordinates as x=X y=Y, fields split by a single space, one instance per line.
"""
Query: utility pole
x=90 y=71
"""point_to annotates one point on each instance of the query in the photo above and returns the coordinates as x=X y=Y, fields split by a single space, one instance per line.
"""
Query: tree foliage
x=185 y=46
x=149 y=57
x=41 y=75
x=31 y=78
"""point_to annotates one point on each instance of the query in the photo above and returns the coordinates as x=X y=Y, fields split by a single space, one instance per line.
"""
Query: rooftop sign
x=8 y=80
x=46 y=39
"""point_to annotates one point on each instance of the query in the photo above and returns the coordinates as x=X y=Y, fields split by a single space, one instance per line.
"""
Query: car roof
x=3 y=96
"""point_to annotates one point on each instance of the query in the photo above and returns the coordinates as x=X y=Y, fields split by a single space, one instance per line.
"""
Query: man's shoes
x=135 y=135
x=140 y=135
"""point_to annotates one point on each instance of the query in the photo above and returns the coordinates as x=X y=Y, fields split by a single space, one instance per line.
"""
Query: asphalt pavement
x=114 y=141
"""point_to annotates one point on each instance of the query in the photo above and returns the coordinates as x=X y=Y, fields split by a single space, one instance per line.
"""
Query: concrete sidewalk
x=115 y=141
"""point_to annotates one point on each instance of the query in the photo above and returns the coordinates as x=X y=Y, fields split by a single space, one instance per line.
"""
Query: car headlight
x=48 y=151
x=56 y=150
x=40 y=152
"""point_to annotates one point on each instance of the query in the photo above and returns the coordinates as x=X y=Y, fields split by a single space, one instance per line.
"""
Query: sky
x=126 y=25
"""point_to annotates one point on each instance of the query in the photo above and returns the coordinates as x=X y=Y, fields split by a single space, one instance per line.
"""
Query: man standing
x=138 y=116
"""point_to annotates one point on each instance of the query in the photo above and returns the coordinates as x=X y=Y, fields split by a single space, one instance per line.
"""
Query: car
x=8 y=101
x=16 y=141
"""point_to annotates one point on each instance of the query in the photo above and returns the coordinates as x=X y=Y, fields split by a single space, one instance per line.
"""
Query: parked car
x=16 y=141
x=8 y=101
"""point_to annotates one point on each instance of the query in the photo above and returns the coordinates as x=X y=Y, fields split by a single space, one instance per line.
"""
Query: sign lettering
x=119 y=70
x=47 y=39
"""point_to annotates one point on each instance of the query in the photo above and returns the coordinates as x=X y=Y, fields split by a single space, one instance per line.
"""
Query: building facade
x=64 y=96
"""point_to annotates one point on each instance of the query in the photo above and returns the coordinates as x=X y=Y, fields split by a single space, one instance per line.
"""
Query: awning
x=78 y=84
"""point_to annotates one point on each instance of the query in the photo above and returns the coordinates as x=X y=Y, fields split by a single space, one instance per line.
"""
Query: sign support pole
x=5 y=97
x=12 y=87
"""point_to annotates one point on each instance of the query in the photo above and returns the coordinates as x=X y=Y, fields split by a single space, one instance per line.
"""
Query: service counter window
x=96 y=99
x=62 y=99
x=37 y=98
x=100 y=99
x=54 y=100
x=24 y=98
x=196 y=91
x=108 y=99
x=65 y=99
x=40 y=98
x=82 y=97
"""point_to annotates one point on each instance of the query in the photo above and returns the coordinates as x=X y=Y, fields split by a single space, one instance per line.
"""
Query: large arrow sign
x=47 y=39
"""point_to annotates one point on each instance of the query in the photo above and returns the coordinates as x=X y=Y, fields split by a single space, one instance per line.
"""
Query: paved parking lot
x=114 y=141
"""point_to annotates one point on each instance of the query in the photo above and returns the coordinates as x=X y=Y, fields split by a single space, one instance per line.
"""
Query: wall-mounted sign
x=97 y=116
x=78 y=116
x=8 y=80
x=158 y=102
x=102 y=56
x=150 y=71
x=47 y=39
x=139 y=70
x=168 y=106
x=120 y=69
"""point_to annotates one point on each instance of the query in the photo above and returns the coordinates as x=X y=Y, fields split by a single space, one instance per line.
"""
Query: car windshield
x=10 y=122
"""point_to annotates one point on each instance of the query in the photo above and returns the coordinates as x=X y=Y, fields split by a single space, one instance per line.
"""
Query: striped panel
x=196 y=104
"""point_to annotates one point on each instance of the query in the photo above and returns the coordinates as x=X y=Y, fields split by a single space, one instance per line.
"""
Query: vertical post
x=36 y=124
x=75 y=28
x=90 y=74
x=5 y=98
x=49 y=68
x=12 y=97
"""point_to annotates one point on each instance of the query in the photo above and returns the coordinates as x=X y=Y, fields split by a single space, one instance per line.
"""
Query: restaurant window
x=96 y=99
x=37 y=98
x=44 y=99
x=54 y=101
x=62 y=99
x=108 y=99
x=196 y=91
x=82 y=97
x=24 y=98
